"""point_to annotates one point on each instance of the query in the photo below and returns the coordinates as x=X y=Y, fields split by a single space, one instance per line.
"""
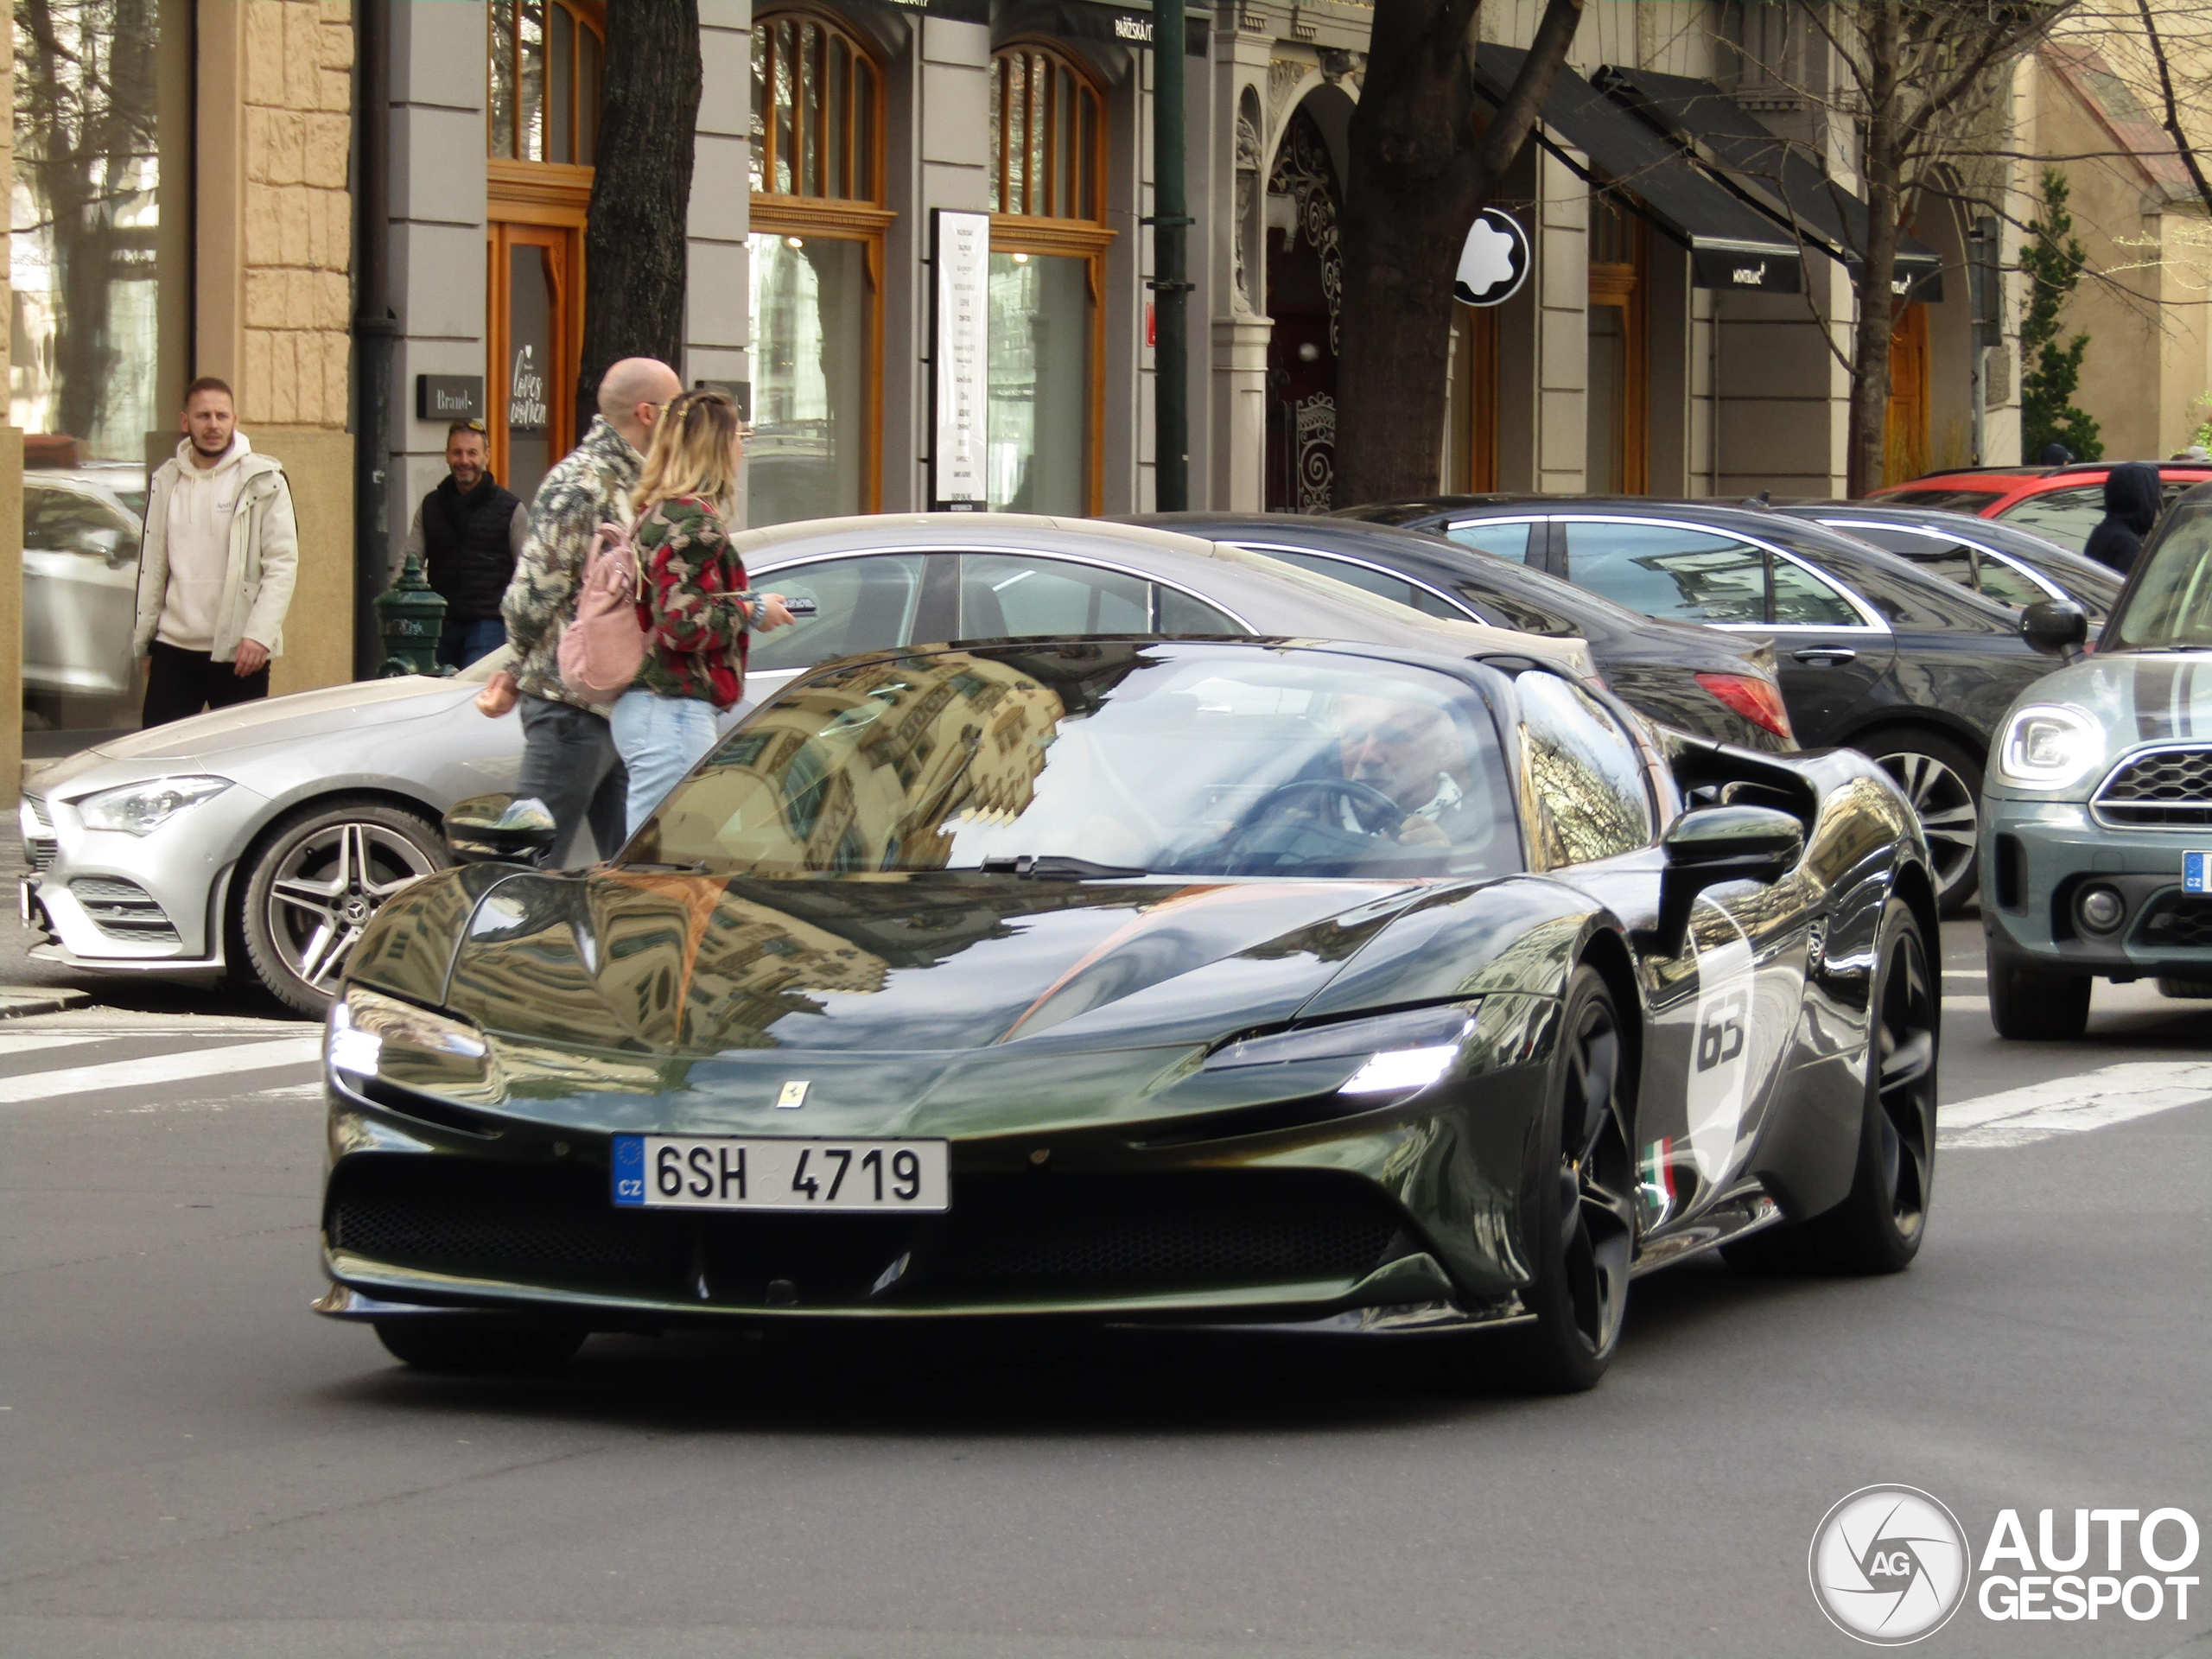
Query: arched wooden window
x=544 y=62
x=1045 y=451
x=1046 y=157
x=816 y=247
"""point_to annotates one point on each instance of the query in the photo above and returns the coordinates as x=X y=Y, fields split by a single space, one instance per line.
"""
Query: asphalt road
x=194 y=1464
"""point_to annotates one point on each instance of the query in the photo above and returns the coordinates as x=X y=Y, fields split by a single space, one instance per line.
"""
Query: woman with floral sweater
x=697 y=610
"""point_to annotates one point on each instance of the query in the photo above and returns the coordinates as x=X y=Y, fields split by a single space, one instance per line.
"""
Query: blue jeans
x=659 y=740
x=461 y=643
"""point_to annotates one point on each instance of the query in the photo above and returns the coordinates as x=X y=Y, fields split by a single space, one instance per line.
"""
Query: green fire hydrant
x=410 y=615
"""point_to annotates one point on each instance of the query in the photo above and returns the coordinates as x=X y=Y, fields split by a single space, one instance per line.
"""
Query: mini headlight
x=140 y=809
x=363 y=1024
x=1393 y=1052
x=2049 y=745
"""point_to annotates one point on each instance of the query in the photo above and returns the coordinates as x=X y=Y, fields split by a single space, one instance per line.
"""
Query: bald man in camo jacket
x=568 y=760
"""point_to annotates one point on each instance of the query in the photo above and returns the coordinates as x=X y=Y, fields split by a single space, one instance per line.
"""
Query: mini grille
x=123 y=910
x=2173 y=786
x=2177 y=920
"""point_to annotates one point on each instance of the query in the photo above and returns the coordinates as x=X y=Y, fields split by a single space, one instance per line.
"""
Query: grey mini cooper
x=2096 y=856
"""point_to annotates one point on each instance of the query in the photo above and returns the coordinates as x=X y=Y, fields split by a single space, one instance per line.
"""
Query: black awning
x=1774 y=175
x=1732 y=245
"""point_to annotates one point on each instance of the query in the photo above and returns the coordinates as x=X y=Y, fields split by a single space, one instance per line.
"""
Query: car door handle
x=1827 y=656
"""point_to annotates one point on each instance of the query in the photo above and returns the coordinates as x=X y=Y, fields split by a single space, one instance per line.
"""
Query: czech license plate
x=679 y=1172
x=2195 y=869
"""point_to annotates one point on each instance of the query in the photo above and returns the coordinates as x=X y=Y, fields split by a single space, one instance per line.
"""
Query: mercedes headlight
x=140 y=809
x=363 y=1026
x=1387 y=1054
x=2049 y=745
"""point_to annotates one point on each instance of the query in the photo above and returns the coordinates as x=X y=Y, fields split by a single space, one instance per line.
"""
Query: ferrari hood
x=681 y=966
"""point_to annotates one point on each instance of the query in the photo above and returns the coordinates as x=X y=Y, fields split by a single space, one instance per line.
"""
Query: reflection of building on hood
x=2131 y=508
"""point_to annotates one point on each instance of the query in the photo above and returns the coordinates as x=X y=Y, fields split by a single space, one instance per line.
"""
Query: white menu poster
x=961 y=360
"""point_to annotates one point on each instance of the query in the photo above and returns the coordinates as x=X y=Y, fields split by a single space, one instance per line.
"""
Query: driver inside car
x=1409 y=753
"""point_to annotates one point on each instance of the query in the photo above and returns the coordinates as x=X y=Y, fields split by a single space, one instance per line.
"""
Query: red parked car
x=2063 y=503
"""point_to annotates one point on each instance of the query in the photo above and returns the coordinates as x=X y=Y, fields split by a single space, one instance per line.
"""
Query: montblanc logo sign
x=1752 y=276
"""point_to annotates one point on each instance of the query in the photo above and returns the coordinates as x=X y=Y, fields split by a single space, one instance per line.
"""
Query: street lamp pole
x=1170 y=220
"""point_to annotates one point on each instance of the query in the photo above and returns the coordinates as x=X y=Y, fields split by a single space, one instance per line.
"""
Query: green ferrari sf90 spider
x=1258 y=983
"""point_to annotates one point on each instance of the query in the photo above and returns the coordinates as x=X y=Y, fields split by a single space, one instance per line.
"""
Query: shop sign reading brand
x=1891 y=1564
x=960 y=360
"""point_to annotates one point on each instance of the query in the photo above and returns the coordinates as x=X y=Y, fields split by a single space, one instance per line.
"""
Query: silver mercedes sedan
x=256 y=841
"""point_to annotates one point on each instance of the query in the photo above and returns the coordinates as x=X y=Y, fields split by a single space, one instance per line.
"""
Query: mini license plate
x=682 y=1172
x=2194 y=868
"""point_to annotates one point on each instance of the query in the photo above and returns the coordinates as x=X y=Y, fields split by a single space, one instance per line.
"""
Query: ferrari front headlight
x=364 y=1025
x=1388 y=1054
x=2049 y=745
x=140 y=809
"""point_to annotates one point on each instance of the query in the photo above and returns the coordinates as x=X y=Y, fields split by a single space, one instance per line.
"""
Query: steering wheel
x=1367 y=802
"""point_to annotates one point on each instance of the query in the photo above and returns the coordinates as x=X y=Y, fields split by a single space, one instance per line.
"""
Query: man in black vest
x=467 y=533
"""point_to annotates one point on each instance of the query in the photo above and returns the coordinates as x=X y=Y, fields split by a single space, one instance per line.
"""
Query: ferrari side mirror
x=2056 y=627
x=500 y=828
x=1716 y=844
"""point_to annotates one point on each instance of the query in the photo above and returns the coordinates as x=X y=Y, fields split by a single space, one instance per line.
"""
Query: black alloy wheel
x=1878 y=1227
x=1587 y=1218
x=1943 y=783
x=457 y=1343
x=314 y=881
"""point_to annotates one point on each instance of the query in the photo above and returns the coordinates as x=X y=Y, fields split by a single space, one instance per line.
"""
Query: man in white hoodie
x=216 y=570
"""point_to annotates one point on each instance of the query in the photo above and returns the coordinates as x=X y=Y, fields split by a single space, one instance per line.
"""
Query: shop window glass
x=812 y=309
x=1044 y=137
x=1037 y=451
x=88 y=386
x=544 y=71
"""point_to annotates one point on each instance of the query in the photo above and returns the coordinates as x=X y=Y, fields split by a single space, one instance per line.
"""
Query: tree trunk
x=634 y=248
x=1419 y=172
x=1867 y=434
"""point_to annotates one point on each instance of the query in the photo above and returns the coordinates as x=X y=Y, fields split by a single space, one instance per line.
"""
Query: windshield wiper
x=1060 y=866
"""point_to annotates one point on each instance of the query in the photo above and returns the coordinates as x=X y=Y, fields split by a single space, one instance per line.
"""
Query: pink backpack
x=603 y=647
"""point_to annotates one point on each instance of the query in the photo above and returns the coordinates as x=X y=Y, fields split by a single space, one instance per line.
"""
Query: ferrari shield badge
x=794 y=1095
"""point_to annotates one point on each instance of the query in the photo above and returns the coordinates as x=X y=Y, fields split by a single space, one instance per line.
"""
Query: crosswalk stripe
x=2115 y=1094
x=162 y=1068
x=29 y=1042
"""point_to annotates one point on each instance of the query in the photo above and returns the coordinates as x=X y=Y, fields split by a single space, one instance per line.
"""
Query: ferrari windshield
x=1101 y=759
x=2169 y=607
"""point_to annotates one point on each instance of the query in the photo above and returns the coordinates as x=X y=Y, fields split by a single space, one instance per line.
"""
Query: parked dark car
x=1873 y=652
x=1695 y=679
x=2014 y=567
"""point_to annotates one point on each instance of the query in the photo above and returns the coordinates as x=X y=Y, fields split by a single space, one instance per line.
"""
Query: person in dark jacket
x=2131 y=508
x=2056 y=454
x=467 y=533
